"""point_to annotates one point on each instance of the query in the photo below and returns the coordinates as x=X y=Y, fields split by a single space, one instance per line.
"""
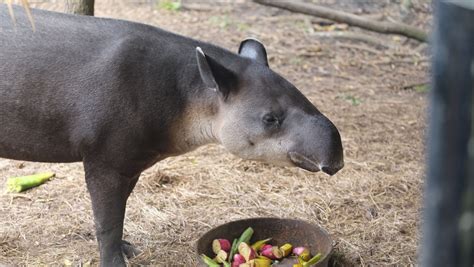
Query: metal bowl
x=295 y=232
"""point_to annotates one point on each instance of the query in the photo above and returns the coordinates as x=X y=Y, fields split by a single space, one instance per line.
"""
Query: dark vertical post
x=448 y=230
x=80 y=7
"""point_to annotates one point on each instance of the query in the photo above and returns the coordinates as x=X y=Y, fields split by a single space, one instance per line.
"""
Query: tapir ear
x=214 y=75
x=253 y=49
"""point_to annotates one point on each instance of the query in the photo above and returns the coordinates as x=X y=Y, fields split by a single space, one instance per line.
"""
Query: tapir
x=120 y=96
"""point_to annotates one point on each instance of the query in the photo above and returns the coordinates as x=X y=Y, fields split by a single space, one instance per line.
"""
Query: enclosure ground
x=371 y=208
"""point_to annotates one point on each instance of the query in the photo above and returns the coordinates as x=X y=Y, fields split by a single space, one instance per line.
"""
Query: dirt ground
x=372 y=94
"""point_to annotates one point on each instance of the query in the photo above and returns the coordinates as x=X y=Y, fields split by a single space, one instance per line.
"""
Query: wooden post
x=80 y=7
x=448 y=228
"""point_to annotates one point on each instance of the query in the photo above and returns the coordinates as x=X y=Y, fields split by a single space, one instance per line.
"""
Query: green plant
x=170 y=5
x=241 y=26
x=296 y=60
x=421 y=88
x=221 y=21
x=354 y=100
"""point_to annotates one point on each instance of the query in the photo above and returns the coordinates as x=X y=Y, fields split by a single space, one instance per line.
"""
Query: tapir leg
x=109 y=190
x=128 y=249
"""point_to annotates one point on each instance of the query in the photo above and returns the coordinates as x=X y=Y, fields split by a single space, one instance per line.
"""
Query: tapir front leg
x=128 y=249
x=109 y=190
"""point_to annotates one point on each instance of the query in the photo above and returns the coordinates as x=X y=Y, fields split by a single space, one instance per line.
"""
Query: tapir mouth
x=303 y=162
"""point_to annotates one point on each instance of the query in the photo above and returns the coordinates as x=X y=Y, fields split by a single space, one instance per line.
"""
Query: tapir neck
x=194 y=128
x=196 y=124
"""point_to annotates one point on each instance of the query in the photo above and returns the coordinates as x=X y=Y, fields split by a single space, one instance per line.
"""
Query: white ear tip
x=252 y=38
x=200 y=50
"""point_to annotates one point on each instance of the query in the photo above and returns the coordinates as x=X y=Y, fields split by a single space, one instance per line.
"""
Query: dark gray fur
x=113 y=93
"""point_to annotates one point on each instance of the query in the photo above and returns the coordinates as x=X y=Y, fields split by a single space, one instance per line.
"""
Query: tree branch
x=353 y=36
x=348 y=18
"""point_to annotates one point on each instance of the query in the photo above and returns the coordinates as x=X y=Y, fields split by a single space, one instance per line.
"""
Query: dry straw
x=26 y=6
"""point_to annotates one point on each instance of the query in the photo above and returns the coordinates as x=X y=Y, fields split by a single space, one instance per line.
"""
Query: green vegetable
x=210 y=262
x=233 y=249
x=257 y=245
x=313 y=260
x=22 y=183
x=245 y=237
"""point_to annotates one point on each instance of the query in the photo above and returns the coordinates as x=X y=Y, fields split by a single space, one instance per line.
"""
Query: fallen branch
x=400 y=61
x=348 y=18
x=359 y=47
x=353 y=36
x=196 y=6
x=422 y=86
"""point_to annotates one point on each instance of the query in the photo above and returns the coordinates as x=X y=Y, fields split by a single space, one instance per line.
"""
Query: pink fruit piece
x=299 y=250
x=238 y=259
x=272 y=252
x=246 y=251
x=266 y=246
x=220 y=244
x=268 y=252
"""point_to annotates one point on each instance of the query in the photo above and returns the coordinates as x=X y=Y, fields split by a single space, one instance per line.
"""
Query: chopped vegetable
x=313 y=260
x=246 y=251
x=22 y=183
x=273 y=253
x=210 y=262
x=221 y=256
x=264 y=247
x=263 y=257
x=247 y=264
x=238 y=259
x=286 y=249
x=233 y=249
x=260 y=262
x=302 y=252
x=298 y=250
x=245 y=237
x=259 y=254
x=305 y=255
x=259 y=244
x=220 y=244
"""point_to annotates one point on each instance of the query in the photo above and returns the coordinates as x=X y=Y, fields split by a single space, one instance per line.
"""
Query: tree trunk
x=80 y=7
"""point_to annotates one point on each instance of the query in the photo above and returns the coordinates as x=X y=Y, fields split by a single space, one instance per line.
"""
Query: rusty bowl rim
x=322 y=229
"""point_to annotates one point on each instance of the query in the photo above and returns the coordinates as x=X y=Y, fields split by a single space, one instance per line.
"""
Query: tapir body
x=120 y=96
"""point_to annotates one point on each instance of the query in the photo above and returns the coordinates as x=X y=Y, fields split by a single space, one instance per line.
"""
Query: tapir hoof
x=129 y=250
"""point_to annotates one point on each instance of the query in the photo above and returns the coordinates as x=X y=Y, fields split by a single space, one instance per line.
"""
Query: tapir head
x=261 y=116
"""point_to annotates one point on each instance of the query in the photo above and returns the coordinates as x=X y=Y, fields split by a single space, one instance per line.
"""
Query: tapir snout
x=322 y=150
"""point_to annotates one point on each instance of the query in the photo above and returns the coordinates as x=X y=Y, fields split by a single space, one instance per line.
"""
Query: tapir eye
x=271 y=119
